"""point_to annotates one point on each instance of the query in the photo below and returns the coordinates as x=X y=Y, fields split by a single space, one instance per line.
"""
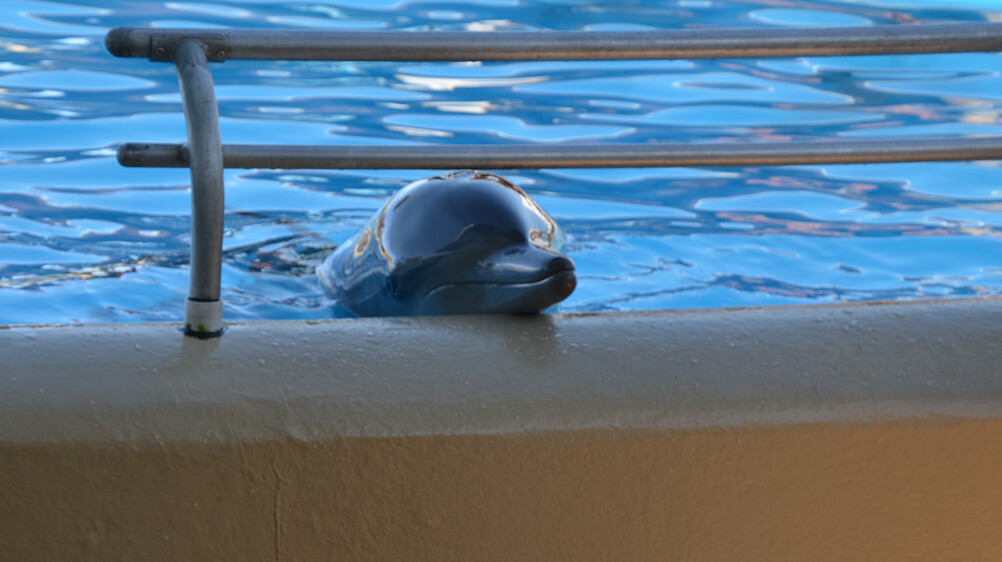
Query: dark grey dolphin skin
x=461 y=243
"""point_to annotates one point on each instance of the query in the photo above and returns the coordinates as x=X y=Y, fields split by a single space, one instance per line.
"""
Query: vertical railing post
x=203 y=313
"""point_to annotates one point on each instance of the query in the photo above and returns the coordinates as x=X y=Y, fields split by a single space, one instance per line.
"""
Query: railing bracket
x=163 y=46
x=203 y=319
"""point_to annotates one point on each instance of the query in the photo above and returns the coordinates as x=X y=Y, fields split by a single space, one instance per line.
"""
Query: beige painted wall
x=861 y=432
x=915 y=490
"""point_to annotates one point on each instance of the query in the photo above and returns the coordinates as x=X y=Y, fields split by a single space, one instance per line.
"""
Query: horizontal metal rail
x=573 y=155
x=278 y=44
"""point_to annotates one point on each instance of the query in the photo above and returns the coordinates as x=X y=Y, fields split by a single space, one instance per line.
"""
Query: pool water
x=85 y=240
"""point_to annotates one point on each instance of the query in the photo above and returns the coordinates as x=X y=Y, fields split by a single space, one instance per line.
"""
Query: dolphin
x=465 y=242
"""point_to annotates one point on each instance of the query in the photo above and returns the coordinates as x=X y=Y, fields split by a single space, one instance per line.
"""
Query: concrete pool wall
x=863 y=431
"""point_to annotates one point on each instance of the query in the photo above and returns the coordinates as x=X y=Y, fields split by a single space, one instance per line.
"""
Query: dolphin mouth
x=551 y=286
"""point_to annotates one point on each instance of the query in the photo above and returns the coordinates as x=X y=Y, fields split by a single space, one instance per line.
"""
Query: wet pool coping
x=312 y=380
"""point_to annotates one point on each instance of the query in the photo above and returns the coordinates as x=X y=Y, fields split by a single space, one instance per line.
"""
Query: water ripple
x=85 y=240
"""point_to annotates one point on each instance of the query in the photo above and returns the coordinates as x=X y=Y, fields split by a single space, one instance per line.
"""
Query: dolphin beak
x=563 y=277
x=520 y=280
x=559 y=264
x=520 y=264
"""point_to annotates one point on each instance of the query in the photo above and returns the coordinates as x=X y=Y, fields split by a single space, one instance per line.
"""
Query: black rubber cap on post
x=122 y=42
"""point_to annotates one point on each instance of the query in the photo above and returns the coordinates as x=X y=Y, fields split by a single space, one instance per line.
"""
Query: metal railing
x=192 y=49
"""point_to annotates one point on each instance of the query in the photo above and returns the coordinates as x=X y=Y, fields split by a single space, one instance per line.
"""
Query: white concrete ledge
x=311 y=381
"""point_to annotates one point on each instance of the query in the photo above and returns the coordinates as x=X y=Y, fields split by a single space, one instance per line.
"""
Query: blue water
x=85 y=240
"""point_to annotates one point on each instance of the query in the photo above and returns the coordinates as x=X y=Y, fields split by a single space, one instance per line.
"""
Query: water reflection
x=84 y=240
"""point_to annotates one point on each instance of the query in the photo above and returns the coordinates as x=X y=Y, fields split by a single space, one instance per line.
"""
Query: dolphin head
x=471 y=242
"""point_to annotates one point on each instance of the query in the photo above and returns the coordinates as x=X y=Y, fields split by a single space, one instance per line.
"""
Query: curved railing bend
x=191 y=50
